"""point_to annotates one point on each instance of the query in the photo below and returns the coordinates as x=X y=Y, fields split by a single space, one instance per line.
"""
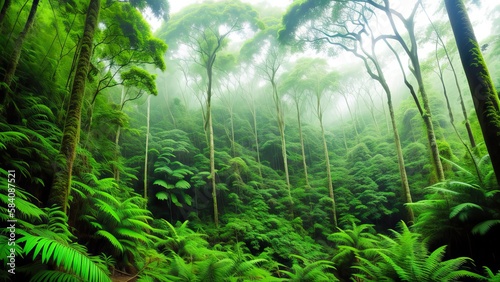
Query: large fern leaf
x=66 y=256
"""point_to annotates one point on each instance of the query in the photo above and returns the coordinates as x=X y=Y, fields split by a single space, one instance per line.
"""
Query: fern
x=405 y=258
x=311 y=271
x=63 y=255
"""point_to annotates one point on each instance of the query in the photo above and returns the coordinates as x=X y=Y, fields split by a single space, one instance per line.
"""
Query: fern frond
x=107 y=209
x=65 y=256
x=485 y=226
x=458 y=209
x=164 y=184
x=182 y=184
x=111 y=238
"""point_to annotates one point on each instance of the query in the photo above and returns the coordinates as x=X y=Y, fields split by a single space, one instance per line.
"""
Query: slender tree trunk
x=378 y=75
x=371 y=107
x=301 y=137
x=211 y=144
x=212 y=169
x=116 y=169
x=148 y=116
x=412 y=52
x=457 y=82
x=481 y=87
x=328 y=172
x=231 y=119
x=255 y=133
x=399 y=151
x=61 y=187
x=431 y=134
x=281 y=127
x=11 y=67
x=352 y=116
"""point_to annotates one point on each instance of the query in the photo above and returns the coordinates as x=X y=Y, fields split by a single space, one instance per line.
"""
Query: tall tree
x=441 y=42
x=410 y=47
x=341 y=28
x=483 y=92
x=205 y=30
x=264 y=50
x=60 y=191
x=146 y=168
x=61 y=187
x=320 y=83
x=293 y=88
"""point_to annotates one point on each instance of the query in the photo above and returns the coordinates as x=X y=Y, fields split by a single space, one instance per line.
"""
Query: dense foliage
x=242 y=142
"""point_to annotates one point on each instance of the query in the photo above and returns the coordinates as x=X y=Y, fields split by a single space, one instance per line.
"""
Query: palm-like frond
x=311 y=271
x=405 y=258
x=63 y=255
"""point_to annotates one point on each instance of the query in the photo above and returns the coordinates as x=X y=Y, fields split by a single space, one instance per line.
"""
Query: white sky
x=482 y=26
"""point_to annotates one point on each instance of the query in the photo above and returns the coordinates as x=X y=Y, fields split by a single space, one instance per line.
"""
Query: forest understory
x=246 y=141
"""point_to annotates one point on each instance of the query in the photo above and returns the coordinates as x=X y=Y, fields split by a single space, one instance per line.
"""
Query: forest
x=237 y=140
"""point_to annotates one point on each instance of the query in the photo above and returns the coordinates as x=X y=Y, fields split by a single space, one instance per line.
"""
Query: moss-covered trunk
x=399 y=151
x=61 y=187
x=481 y=87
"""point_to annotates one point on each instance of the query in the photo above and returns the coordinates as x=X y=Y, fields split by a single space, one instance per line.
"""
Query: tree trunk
x=412 y=52
x=211 y=144
x=212 y=169
x=281 y=127
x=301 y=137
x=457 y=82
x=61 y=187
x=399 y=151
x=328 y=173
x=431 y=134
x=11 y=67
x=481 y=87
x=148 y=115
x=352 y=116
x=116 y=169
x=254 y=116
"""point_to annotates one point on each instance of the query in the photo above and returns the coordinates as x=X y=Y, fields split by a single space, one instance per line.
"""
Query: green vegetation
x=244 y=141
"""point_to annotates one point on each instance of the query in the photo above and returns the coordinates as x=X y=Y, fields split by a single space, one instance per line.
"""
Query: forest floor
x=123 y=277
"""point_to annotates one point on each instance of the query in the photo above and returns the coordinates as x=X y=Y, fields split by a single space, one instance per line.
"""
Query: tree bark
x=412 y=51
x=481 y=87
x=211 y=144
x=257 y=149
x=61 y=187
x=116 y=170
x=281 y=127
x=457 y=82
x=399 y=151
x=328 y=173
x=148 y=115
x=16 y=53
x=301 y=137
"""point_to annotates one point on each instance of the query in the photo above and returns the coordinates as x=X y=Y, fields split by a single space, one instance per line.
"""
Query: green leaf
x=176 y=201
x=164 y=184
x=162 y=195
x=182 y=184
